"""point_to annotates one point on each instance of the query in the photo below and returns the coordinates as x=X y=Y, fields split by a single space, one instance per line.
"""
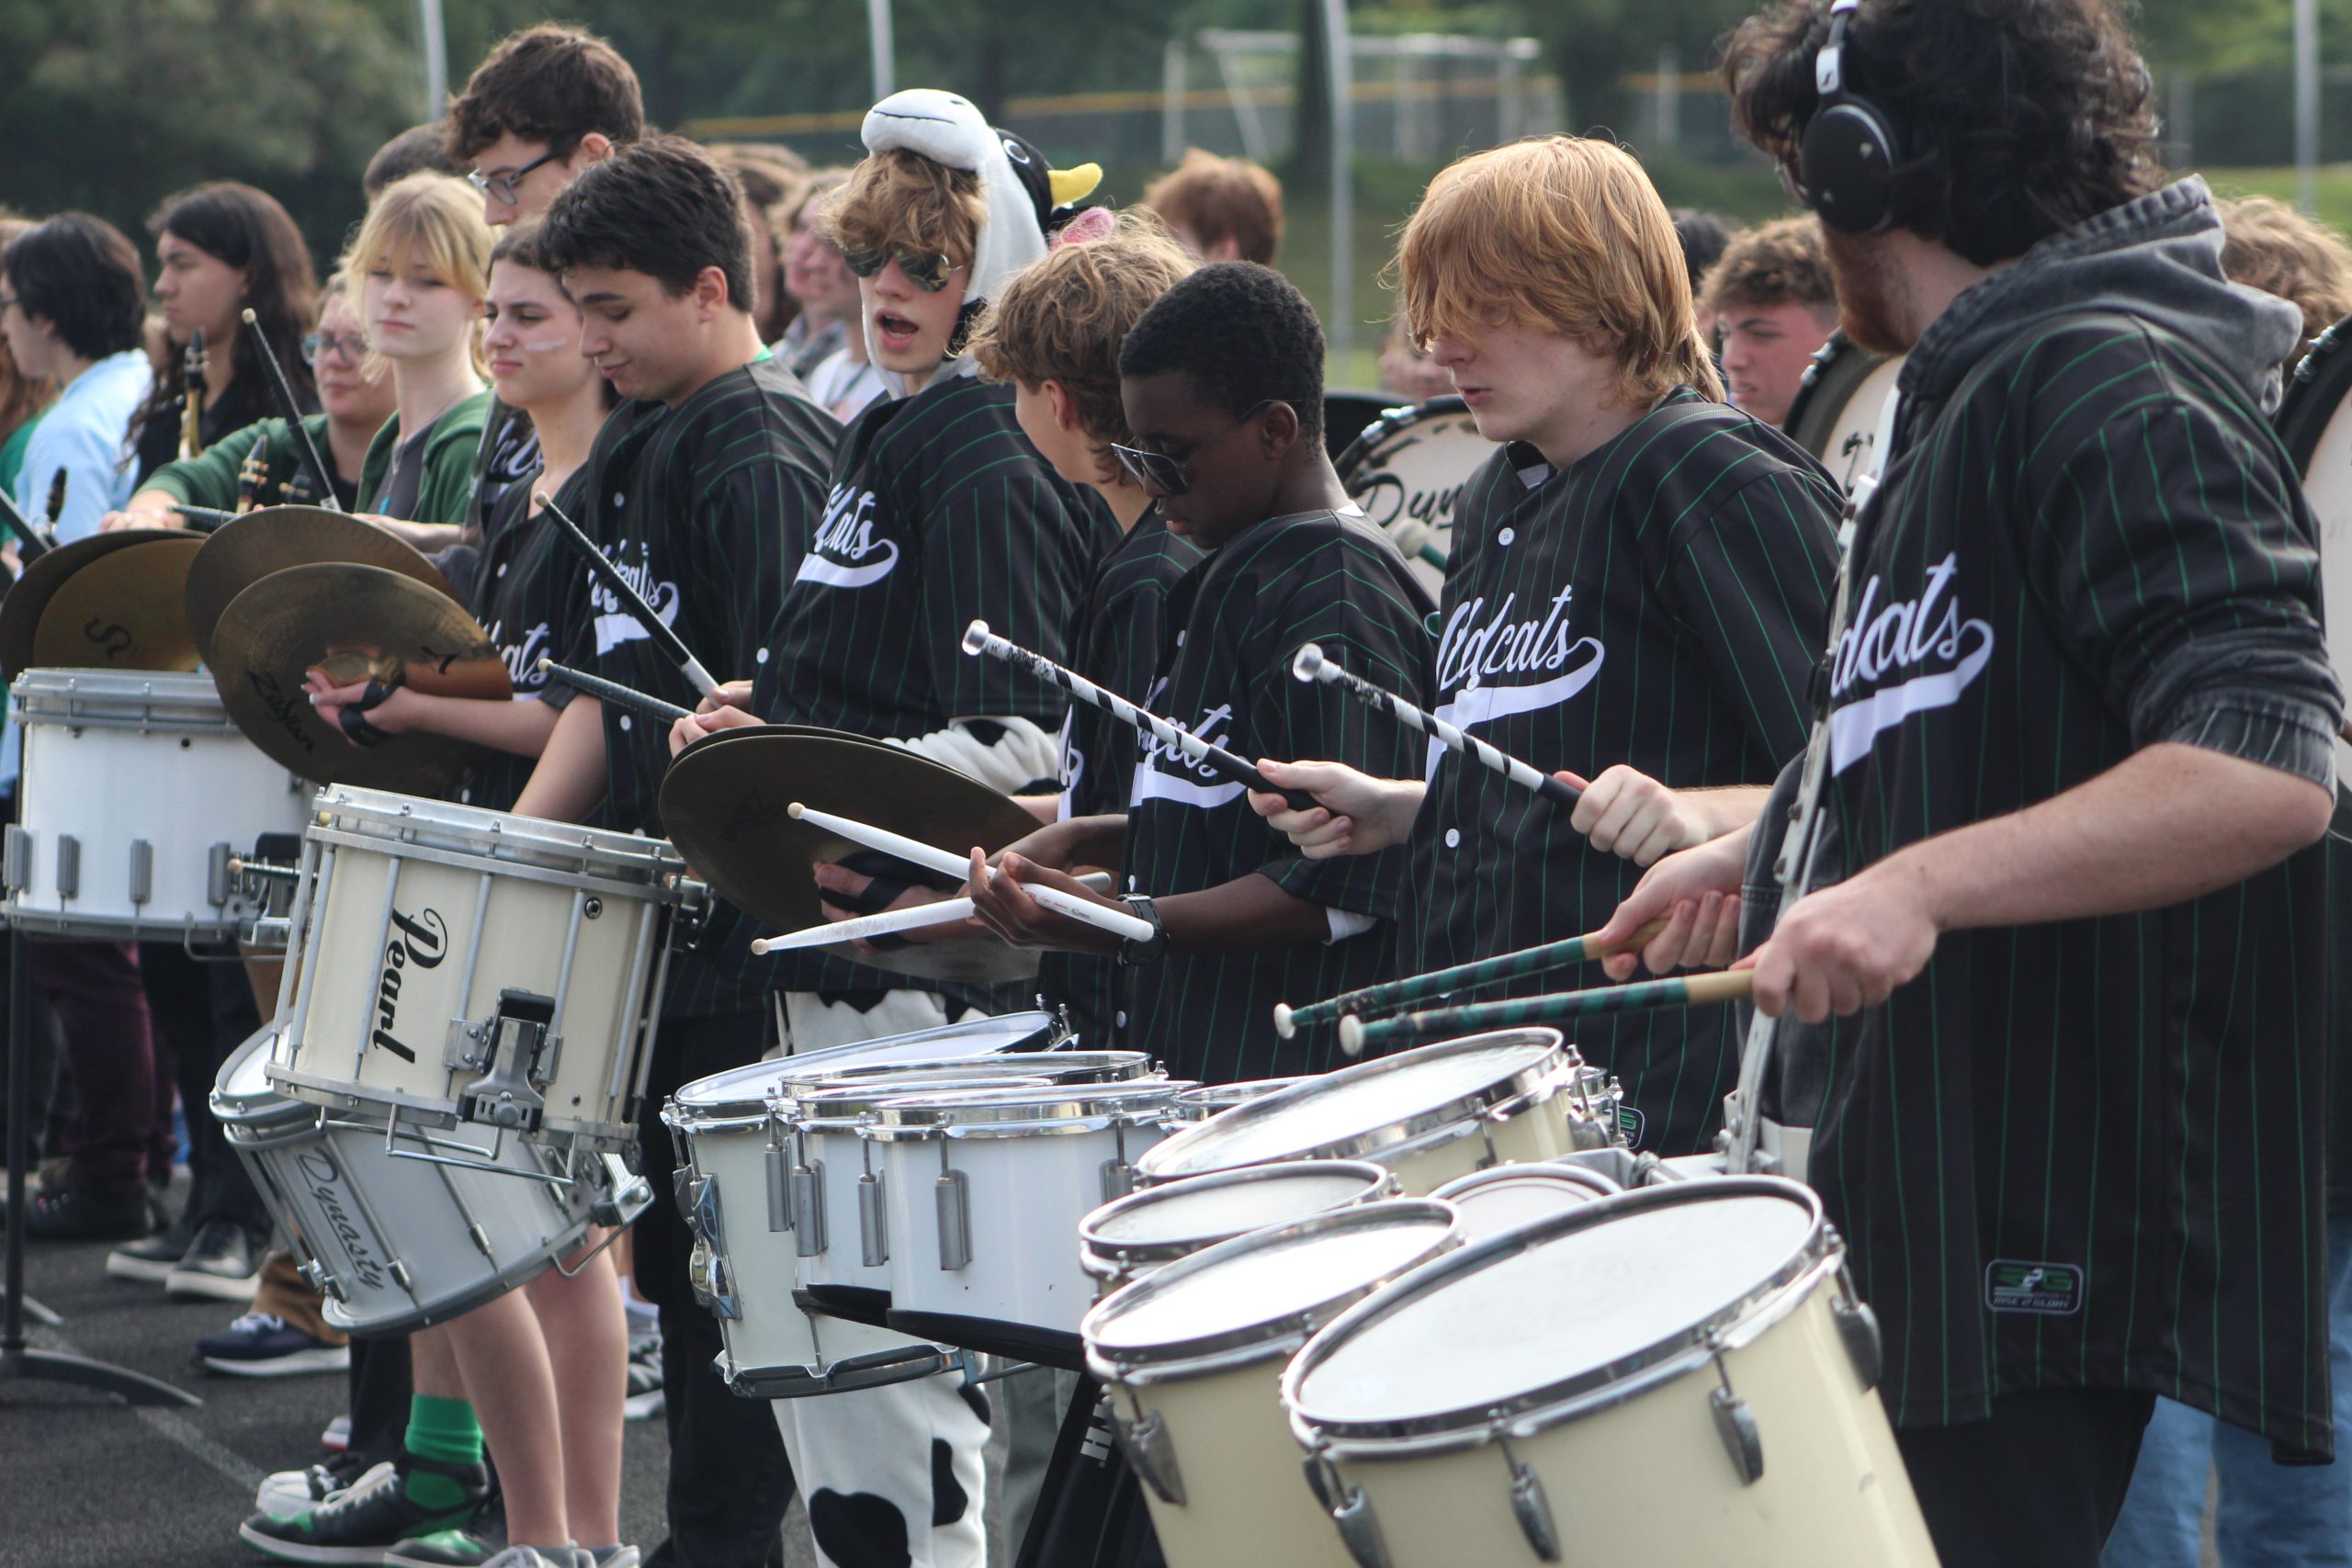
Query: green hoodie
x=448 y=463
x=210 y=478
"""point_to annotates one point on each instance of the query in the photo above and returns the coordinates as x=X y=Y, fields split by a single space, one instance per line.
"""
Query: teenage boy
x=707 y=478
x=1222 y=383
x=1771 y=305
x=1638 y=592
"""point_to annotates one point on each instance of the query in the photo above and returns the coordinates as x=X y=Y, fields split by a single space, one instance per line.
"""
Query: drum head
x=1561 y=1307
x=1193 y=1213
x=1325 y=1113
x=1838 y=367
x=2316 y=426
x=1492 y=1202
x=1407 y=473
x=740 y=1091
x=972 y=1037
x=1199 y=1104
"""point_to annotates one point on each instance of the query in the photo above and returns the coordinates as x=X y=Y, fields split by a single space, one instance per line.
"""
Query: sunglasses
x=928 y=272
x=1163 y=475
x=505 y=185
x=352 y=348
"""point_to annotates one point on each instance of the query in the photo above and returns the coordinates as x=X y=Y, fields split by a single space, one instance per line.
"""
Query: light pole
x=885 y=63
x=436 y=57
x=1340 y=53
x=2307 y=105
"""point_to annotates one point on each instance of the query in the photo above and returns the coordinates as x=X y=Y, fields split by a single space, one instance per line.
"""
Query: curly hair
x=551 y=83
x=1217 y=200
x=2019 y=117
x=1779 y=263
x=2268 y=245
x=902 y=200
x=1244 y=333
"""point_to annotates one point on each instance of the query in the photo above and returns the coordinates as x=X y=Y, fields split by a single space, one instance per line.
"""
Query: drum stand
x=18 y=1361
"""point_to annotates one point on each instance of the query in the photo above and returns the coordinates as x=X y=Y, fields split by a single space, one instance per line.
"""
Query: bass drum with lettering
x=1835 y=413
x=1406 y=471
x=2316 y=427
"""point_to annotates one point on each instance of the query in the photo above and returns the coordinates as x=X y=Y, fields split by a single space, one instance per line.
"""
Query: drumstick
x=291 y=412
x=1394 y=994
x=1680 y=991
x=211 y=514
x=1412 y=538
x=613 y=692
x=601 y=567
x=35 y=544
x=887 y=922
x=1118 y=923
x=978 y=639
x=1312 y=664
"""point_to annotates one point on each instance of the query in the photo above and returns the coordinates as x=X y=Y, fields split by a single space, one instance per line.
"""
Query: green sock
x=442 y=1429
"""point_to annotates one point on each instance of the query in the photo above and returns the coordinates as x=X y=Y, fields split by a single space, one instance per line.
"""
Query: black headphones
x=1847 y=158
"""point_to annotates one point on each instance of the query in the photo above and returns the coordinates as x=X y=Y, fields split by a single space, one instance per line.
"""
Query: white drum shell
x=1852 y=436
x=156 y=789
x=1409 y=481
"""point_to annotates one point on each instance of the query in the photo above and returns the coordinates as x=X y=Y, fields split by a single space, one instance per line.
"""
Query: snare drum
x=468 y=965
x=138 y=791
x=1406 y=471
x=1210 y=1099
x=984 y=1190
x=1192 y=1358
x=1835 y=413
x=1429 y=1114
x=399 y=1227
x=1492 y=1202
x=2315 y=424
x=1683 y=1364
x=1128 y=1237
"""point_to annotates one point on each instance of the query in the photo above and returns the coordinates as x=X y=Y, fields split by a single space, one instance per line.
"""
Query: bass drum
x=2317 y=432
x=1406 y=471
x=1835 y=415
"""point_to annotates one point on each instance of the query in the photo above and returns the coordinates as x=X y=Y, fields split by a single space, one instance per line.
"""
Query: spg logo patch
x=2053 y=1289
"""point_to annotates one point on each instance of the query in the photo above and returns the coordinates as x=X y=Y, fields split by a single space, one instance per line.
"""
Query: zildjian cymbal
x=241 y=553
x=723 y=805
x=125 y=610
x=21 y=611
x=352 y=622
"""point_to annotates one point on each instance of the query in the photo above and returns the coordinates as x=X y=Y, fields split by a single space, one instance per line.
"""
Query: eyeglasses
x=1163 y=475
x=927 y=271
x=504 y=182
x=352 y=348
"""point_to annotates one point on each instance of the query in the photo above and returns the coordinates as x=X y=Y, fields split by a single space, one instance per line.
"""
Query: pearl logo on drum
x=423 y=941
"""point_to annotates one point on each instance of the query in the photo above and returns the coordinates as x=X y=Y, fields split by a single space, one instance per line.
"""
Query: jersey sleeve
x=749 y=520
x=1006 y=549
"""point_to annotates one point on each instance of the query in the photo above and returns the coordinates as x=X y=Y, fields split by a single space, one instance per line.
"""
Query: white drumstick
x=887 y=923
x=1118 y=923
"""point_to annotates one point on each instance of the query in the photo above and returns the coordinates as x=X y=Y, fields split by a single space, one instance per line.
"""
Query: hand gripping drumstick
x=624 y=697
x=291 y=412
x=887 y=923
x=1118 y=923
x=1312 y=664
x=1680 y=991
x=601 y=567
x=978 y=639
x=1394 y=994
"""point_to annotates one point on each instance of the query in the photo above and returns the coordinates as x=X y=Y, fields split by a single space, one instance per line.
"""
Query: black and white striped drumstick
x=32 y=543
x=624 y=697
x=978 y=639
x=1313 y=664
x=291 y=412
x=601 y=567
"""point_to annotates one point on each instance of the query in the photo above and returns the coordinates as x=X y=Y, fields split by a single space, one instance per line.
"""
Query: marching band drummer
x=2080 y=735
x=1638 y=588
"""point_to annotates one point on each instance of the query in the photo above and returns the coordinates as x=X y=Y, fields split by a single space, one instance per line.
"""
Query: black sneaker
x=149 y=1260
x=361 y=1524
x=289 y=1492
x=78 y=1211
x=264 y=1345
x=224 y=1263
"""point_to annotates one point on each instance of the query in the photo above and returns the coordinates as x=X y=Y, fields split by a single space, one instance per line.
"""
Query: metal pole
x=886 y=59
x=1342 y=52
x=1171 y=100
x=2307 y=105
x=437 y=58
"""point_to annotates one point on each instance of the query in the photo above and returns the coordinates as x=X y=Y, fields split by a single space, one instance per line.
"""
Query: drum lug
x=953 y=1195
x=1737 y=1424
x=1532 y=1508
x=779 y=1176
x=874 y=1221
x=142 y=871
x=1359 y=1531
x=1857 y=1327
x=504 y=1097
x=1118 y=1179
x=69 y=866
x=808 y=1207
x=1151 y=1452
x=217 y=883
x=16 y=858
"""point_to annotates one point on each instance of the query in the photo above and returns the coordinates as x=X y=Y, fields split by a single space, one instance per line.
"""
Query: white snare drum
x=401 y=1229
x=1128 y=1237
x=1012 y=1032
x=1835 y=413
x=1210 y=1099
x=1192 y=1358
x=466 y=966
x=1492 y=1202
x=1676 y=1374
x=1428 y=1114
x=1406 y=471
x=137 y=791
x=984 y=1190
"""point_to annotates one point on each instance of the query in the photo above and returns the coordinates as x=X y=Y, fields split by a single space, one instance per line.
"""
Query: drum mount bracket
x=516 y=1052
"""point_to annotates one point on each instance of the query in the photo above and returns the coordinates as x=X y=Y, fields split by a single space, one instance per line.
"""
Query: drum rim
x=1840 y=362
x=2326 y=367
x=1392 y=420
x=845 y=1107
x=363 y=813
x=1040 y=1064
x=31 y=691
x=1561 y=1400
x=1544 y=1172
x=1367 y=1143
x=1121 y=1254
x=1205 y=1094
x=1047 y=1023
x=1006 y=1112
x=1208 y=1354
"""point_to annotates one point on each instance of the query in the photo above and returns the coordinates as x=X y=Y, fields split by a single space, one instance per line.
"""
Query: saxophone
x=192 y=390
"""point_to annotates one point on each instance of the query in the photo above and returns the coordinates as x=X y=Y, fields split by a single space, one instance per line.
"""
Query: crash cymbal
x=723 y=805
x=244 y=552
x=355 y=623
x=124 y=610
x=20 y=612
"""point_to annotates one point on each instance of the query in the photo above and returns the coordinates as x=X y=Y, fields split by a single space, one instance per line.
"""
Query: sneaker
x=543 y=1557
x=289 y=1492
x=361 y=1523
x=468 y=1548
x=225 y=1263
x=336 y=1439
x=77 y=1212
x=149 y=1260
x=615 y=1556
x=644 y=1399
x=260 y=1345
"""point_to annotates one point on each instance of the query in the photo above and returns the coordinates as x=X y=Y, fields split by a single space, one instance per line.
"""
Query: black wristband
x=1133 y=954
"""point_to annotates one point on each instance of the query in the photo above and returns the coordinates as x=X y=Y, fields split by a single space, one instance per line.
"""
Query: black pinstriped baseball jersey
x=1236 y=621
x=705 y=507
x=1661 y=603
x=525 y=570
x=1119 y=650
x=2085 y=1152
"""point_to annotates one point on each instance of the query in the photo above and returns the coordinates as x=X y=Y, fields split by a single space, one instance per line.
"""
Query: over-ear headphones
x=1846 y=160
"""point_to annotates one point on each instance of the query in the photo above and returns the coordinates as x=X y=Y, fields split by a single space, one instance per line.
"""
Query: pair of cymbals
x=110 y=602
x=724 y=804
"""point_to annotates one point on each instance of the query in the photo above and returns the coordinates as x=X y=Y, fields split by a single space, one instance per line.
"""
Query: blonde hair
x=900 y=200
x=2268 y=245
x=429 y=219
x=1563 y=234
x=1062 y=319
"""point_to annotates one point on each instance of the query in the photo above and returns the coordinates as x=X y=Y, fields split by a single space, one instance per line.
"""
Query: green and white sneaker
x=468 y=1548
x=416 y=1498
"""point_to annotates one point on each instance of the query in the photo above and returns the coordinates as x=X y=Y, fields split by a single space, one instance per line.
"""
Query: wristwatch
x=1133 y=954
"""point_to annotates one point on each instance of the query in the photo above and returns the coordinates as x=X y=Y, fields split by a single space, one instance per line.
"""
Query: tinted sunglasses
x=927 y=270
x=1161 y=474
